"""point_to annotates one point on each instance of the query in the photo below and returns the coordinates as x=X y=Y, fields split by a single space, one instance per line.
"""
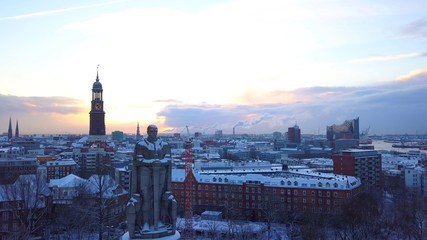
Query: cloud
x=415 y=75
x=60 y=105
x=417 y=29
x=57 y=11
x=390 y=108
x=44 y=115
x=387 y=57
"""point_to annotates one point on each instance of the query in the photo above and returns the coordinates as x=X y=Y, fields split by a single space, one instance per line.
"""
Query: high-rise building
x=343 y=136
x=294 y=134
x=364 y=164
x=349 y=129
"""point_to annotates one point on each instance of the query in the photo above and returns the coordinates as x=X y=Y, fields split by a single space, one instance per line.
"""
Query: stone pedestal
x=170 y=237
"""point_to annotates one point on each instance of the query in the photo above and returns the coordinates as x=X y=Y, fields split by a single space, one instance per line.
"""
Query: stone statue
x=151 y=210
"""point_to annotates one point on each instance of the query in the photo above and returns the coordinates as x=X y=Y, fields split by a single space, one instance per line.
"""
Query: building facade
x=11 y=169
x=364 y=164
x=255 y=197
x=294 y=134
x=60 y=168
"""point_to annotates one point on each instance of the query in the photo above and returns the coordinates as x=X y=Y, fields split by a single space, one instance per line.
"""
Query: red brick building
x=12 y=168
x=60 y=168
x=364 y=164
x=256 y=196
x=25 y=207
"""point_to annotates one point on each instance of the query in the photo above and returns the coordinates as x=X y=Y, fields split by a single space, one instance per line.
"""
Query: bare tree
x=99 y=190
x=410 y=209
x=358 y=218
x=28 y=201
x=213 y=229
x=271 y=211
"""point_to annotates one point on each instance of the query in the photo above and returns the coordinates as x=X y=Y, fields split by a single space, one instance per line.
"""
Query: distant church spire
x=97 y=77
x=9 y=131
x=17 y=130
x=138 y=133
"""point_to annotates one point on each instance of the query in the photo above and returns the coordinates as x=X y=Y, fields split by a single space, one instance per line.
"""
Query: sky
x=255 y=66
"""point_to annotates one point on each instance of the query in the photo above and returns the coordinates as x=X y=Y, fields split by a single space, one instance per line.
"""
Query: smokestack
x=234 y=131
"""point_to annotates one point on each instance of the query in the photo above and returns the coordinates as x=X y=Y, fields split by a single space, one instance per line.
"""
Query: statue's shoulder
x=144 y=143
x=162 y=142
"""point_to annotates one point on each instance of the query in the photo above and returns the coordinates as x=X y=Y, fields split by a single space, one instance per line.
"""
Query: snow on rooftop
x=296 y=178
x=70 y=180
x=61 y=162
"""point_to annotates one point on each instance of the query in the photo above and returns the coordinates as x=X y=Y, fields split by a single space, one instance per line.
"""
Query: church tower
x=97 y=114
x=17 y=130
x=138 y=133
x=9 y=131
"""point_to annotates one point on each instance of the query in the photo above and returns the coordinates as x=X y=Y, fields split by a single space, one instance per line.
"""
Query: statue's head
x=152 y=132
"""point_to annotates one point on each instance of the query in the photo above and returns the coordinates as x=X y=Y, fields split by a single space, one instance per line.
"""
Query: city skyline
x=213 y=65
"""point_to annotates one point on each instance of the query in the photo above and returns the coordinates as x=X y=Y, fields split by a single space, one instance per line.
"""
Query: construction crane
x=188 y=182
